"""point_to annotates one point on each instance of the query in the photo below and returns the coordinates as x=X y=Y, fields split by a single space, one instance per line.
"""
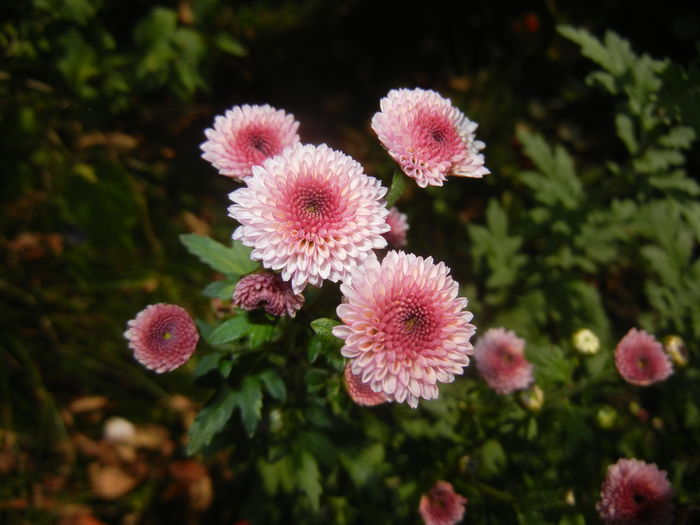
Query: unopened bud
x=532 y=398
x=570 y=498
x=585 y=341
x=606 y=417
x=119 y=430
x=676 y=350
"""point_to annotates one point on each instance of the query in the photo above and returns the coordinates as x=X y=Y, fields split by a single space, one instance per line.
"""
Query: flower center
x=638 y=498
x=438 y=135
x=167 y=335
x=409 y=324
x=261 y=143
x=312 y=207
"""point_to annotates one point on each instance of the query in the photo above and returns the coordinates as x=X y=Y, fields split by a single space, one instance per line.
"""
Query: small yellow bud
x=676 y=350
x=606 y=417
x=532 y=398
x=585 y=341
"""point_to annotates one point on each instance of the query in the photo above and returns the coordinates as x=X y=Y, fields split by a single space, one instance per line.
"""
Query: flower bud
x=532 y=399
x=676 y=350
x=585 y=341
x=606 y=417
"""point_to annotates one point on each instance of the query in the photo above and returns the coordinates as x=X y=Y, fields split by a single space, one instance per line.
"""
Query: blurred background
x=103 y=105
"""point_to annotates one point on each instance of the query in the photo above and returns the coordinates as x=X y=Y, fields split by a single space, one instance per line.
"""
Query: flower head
x=312 y=213
x=360 y=392
x=428 y=136
x=641 y=360
x=500 y=359
x=162 y=336
x=441 y=505
x=247 y=135
x=404 y=326
x=635 y=493
x=396 y=237
x=267 y=290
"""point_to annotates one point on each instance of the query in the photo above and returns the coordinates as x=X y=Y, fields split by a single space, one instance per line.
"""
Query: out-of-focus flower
x=396 y=237
x=570 y=497
x=606 y=416
x=441 y=505
x=635 y=493
x=247 y=135
x=361 y=393
x=162 y=336
x=428 y=137
x=312 y=213
x=267 y=290
x=641 y=360
x=676 y=350
x=119 y=430
x=500 y=359
x=404 y=327
x=532 y=399
x=585 y=341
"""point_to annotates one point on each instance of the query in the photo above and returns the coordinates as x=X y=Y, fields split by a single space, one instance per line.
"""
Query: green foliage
x=234 y=261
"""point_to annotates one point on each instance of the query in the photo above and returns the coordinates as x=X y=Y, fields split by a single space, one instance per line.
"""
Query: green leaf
x=315 y=349
x=625 y=130
x=320 y=446
x=230 y=261
x=493 y=457
x=230 y=45
x=309 y=479
x=211 y=419
x=206 y=364
x=259 y=334
x=324 y=329
x=398 y=184
x=274 y=384
x=250 y=403
x=220 y=289
x=230 y=330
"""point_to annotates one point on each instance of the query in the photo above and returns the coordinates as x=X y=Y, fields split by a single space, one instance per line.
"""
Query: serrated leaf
x=259 y=334
x=320 y=446
x=398 y=184
x=211 y=419
x=274 y=384
x=206 y=364
x=230 y=330
x=324 y=329
x=625 y=130
x=250 y=403
x=230 y=261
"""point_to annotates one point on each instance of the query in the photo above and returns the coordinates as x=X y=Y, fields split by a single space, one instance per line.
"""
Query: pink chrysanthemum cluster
x=247 y=135
x=404 y=327
x=396 y=236
x=360 y=392
x=641 y=359
x=500 y=359
x=441 y=505
x=162 y=336
x=267 y=290
x=428 y=137
x=635 y=493
x=312 y=213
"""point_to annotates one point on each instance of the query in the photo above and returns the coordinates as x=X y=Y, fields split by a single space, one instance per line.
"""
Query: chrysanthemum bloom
x=500 y=359
x=396 y=236
x=267 y=290
x=641 y=359
x=312 y=213
x=635 y=493
x=441 y=505
x=404 y=326
x=428 y=137
x=162 y=336
x=361 y=393
x=247 y=135
x=585 y=341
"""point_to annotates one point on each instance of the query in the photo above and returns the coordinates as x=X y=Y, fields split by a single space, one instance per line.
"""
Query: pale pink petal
x=500 y=359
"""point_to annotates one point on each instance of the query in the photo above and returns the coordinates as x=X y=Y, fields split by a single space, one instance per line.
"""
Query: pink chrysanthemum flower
x=641 y=359
x=312 y=213
x=428 y=137
x=635 y=493
x=162 y=336
x=396 y=237
x=404 y=326
x=500 y=359
x=247 y=135
x=361 y=393
x=267 y=290
x=441 y=505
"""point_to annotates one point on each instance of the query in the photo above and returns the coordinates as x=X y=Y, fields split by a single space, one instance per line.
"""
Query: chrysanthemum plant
x=315 y=386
